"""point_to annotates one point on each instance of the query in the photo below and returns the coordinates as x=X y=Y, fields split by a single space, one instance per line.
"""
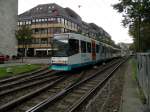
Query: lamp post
x=25 y=53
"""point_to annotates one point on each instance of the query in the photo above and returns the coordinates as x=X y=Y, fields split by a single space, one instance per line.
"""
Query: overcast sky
x=99 y=12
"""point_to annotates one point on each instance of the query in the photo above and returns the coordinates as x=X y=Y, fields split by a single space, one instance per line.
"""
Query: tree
x=24 y=37
x=137 y=18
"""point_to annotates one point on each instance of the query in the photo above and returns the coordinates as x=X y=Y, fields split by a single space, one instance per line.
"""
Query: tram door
x=93 y=50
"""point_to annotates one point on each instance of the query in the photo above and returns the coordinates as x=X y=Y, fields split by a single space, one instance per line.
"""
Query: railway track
x=23 y=89
x=71 y=98
x=41 y=92
x=10 y=99
x=21 y=85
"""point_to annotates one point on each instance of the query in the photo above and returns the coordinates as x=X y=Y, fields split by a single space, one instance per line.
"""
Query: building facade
x=8 y=25
x=48 y=19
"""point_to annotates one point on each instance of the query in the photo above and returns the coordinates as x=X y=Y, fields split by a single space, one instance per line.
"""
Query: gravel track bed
x=12 y=96
x=25 y=81
x=75 y=95
x=108 y=99
x=45 y=94
x=116 y=89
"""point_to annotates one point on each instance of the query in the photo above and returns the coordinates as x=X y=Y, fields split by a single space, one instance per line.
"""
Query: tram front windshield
x=60 y=48
x=65 y=47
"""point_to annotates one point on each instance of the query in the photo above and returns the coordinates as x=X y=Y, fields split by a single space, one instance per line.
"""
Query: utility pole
x=139 y=29
x=139 y=34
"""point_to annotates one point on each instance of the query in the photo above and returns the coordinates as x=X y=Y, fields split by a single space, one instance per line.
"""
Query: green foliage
x=18 y=69
x=24 y=35
x=137 y=18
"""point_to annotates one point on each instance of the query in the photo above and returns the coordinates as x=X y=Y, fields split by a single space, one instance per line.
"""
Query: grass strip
x=18 y=69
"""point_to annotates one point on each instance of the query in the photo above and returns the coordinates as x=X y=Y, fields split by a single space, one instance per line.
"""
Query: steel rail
x=27 y=86
x=43 y=104
x=17 y=101
x=28 y=78
x=79 y=102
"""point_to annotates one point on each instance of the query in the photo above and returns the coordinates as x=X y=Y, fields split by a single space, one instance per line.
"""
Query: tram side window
x=83 y=47
x=88 y=47
x=73 y=46
x=103 y=49
x=97 y=48
x=100 y=48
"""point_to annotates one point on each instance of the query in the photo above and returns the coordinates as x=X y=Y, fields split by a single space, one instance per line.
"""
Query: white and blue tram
x=75 y=50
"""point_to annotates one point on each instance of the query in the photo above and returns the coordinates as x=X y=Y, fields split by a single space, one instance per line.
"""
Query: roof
x=53 y=10
x=50 y=10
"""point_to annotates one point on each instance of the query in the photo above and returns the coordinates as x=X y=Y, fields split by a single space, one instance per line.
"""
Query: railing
x=143 y=74
x=36 y=46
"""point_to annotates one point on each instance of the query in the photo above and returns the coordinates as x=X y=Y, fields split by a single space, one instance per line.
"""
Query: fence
x=143 y=74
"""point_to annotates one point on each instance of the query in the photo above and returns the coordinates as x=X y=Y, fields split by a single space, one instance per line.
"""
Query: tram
x=73 y=50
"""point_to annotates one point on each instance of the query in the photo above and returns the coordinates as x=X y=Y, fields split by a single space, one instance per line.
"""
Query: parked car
x=3 y=58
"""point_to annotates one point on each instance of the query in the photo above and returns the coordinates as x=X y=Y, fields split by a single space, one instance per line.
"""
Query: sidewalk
x=130 y=99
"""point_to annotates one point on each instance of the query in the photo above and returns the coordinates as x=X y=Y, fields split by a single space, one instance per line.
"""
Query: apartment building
x=48 y=19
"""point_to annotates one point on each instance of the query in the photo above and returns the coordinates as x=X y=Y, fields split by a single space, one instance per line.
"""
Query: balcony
x=47 y=25
x=42 y=35
x=36 y=46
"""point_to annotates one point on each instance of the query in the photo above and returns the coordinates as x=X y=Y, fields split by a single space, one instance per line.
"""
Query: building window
x=59 y=20
x=36 y=31
x=33 y=21
x=56 y=30
x=36 y=41
x=33 y=31
x=49 y=11
x=62 y=20
x=21 y=23
x=33 y=41
x=40 y=20
x=50 y=30
x=65 y=21
x=37 y=20
x=29 y=22
x=75 y=26
x=72 y=25
x=49 y=19
x=44 y=40
x=52 y=7
x=69 y=23
x=44 y=31
x=24 y=23
x=43 y=20
x=62 y=30
x=52 y=19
